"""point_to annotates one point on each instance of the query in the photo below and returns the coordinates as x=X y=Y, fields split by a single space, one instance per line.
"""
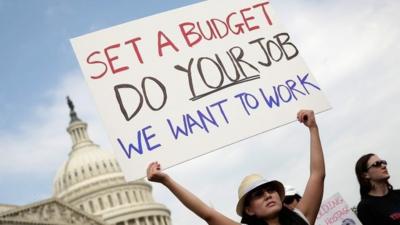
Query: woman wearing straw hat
x=261 y=201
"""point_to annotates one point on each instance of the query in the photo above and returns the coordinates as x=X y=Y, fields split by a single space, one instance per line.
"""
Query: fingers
x=153 y=168
x=149 y=170
x=302 y=115
x=158 y=166
x=150 y=167
x=306 y=116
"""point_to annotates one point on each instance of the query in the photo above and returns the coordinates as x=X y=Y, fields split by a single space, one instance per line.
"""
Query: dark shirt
x=383 y=210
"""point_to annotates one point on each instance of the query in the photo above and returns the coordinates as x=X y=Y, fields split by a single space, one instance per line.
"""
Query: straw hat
x=251 y=182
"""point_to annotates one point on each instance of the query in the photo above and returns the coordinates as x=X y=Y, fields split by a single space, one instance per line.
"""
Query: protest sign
x=179 y=84
x=335 y=211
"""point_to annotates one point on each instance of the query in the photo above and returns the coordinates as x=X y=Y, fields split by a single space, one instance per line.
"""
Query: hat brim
x=278 y=186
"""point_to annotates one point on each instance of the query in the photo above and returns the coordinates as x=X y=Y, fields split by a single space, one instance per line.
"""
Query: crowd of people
x=262 y=202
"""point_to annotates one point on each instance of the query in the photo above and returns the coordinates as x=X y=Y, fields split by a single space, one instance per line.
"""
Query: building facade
x=90 y=182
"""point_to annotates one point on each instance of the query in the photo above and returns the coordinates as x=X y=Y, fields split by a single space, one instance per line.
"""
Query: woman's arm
x=312 y=197
x=210 y=215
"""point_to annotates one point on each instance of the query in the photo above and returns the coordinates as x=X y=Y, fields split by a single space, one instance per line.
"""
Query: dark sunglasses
x=377 y=164
x=259 y=191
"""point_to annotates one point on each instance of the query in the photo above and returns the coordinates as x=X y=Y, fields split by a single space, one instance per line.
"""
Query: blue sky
x=351 y=47
x=36 y=49
x=35 y=57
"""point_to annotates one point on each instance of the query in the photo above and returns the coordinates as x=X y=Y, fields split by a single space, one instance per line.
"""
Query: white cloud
x=42 y=144
x=337 y=37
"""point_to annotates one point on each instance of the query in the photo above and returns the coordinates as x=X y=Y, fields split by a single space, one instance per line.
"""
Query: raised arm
x=312 y=197
x=210 y=215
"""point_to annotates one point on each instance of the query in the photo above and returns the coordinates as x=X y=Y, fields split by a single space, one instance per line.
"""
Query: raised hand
x=312 y=197
x=155 y=174
x=307 y=117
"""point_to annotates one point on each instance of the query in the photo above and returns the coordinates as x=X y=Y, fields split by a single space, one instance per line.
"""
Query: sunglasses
x=377 y=164
x=259 y=191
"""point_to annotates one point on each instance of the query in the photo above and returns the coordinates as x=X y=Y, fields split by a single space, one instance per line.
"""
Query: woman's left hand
x=307 y=117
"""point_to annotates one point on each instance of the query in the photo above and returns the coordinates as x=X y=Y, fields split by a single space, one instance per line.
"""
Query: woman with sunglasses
x=261 y=201
x=380 y=204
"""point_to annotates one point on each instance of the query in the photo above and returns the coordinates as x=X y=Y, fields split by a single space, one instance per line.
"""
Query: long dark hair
x=286 y=217
x=361 y=168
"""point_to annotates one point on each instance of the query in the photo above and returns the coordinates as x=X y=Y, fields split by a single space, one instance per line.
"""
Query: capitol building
x=89 y=188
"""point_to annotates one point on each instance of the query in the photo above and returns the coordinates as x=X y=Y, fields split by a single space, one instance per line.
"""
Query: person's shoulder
x=360 y=204
x=396 y=192
x=364 y=212
x=363 y=205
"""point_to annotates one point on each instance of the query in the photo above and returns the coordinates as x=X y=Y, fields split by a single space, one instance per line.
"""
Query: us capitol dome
x=91 y=186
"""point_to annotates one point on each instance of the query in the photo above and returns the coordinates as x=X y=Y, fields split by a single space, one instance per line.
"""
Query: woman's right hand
x=155 y=174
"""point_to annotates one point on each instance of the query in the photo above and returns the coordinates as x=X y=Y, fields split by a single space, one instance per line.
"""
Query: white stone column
x=146 y=220
x=159 y=221
x=136 y=196
x=141 y=196
x=155 y=220
x=133 y=200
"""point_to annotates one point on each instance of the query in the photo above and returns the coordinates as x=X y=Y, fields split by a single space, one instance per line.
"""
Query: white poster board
x=335 y=211
x=179 y=84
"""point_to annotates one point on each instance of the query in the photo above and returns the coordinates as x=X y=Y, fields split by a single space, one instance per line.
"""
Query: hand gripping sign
x=177 y=85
